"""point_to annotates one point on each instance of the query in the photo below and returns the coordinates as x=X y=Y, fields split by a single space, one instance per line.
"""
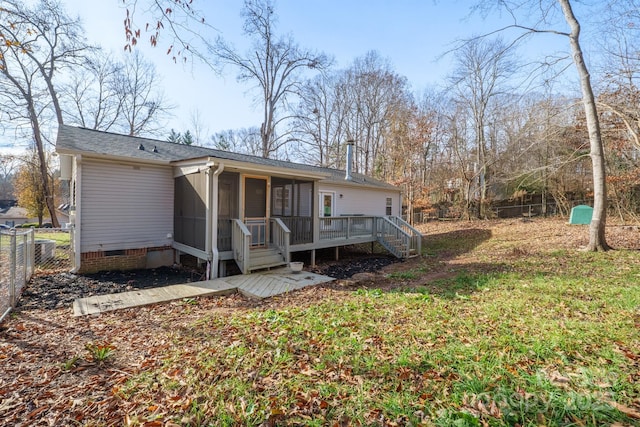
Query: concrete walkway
x=257 y=285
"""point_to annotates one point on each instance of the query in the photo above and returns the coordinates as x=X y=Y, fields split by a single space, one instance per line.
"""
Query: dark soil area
x=346 y=268
x=60 y=290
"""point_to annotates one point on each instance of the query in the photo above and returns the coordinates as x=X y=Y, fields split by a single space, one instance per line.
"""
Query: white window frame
x=332 y=194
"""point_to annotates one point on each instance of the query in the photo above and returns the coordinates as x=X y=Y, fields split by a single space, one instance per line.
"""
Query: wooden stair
x=399 y=238
x=265 y=258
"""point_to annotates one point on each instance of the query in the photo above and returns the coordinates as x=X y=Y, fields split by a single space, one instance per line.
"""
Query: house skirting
x=126 y=259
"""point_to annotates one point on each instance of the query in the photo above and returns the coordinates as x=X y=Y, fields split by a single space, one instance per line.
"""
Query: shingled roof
x=76 y=140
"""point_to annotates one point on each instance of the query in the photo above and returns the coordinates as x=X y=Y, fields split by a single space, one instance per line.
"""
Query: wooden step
x=265 y=258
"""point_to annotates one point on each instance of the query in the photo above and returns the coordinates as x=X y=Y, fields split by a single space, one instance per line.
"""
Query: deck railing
x=241 y=243
x=415 y=243
x=393 y=233
x=301 y=228
x=224 y=234
x=346 y=227
x=280 y=237
x=258 y=229
x=393 y=237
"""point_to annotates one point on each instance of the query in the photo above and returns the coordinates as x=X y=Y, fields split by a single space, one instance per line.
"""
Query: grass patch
x=61 y=238
x=551 y=340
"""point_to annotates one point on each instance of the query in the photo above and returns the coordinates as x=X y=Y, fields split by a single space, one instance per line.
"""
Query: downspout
x=214 y=221
x=207 y=223
x=77 y=200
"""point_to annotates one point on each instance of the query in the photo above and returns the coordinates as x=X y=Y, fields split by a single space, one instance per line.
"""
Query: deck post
x=313 y=257
x=315 y=216
x=337 y=253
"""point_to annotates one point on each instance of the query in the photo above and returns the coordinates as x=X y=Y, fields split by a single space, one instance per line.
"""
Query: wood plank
x=259 y=285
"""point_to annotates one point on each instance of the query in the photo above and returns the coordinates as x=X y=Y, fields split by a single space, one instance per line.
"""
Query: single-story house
x=141 y=203
x=14 y=216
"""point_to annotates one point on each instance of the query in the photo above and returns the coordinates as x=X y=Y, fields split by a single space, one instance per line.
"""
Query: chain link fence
x=17 y=249
x=25 y=253
x=52 y=252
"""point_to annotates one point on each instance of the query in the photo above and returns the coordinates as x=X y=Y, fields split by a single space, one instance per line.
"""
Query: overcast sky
x=412 y=34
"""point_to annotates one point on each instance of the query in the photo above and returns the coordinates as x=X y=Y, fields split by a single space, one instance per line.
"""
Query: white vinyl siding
x=125 y=206
x=361 y=201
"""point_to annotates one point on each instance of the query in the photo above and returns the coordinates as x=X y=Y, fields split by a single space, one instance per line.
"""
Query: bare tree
x=621 y=68
x=91 y=98
x=358 y=103
x=183 y=25
x=105 y=94
x=376 y=91
x=320 y=121
x=37 y=42
x=8 y=166
x=274 y=64
x=542 y=14
x=483 y=68
x=198 y=125
x=142 y=103
x=597 y=240
x=244 y=140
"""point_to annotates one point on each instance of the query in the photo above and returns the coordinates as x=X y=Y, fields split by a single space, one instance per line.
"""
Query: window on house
x=389 y=206
x=290 y=198
x=327 y=204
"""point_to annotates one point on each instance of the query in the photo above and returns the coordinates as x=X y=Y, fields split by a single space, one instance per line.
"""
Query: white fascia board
x=186 y=170
x=253 y=168
x=352 y=184
x=119 y=159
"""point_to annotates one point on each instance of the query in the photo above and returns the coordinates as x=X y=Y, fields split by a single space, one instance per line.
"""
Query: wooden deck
x=257 y=285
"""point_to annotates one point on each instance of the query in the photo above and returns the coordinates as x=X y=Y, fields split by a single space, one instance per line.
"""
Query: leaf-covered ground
x=500 y=323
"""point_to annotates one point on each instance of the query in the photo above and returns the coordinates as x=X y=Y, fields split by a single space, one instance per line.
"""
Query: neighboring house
x=62 y=212
x=7 y=203
x=14 y=216
x=140 y=203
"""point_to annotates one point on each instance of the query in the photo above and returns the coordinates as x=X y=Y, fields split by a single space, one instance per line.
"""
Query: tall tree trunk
x=43 y=169
x=42 y=160
x=597 y=240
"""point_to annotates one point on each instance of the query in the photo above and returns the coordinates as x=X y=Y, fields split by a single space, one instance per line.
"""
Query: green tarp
x=581 y=214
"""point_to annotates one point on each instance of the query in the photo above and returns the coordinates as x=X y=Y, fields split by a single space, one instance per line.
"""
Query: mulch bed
x=60 y=290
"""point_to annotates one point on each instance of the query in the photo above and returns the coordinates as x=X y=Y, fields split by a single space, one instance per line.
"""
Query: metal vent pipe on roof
x=348 y=176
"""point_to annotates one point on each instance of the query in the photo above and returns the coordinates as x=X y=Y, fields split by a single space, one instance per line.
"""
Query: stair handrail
x=386 y=229
x=281 y=236
x=241 y=242
x=416 y=235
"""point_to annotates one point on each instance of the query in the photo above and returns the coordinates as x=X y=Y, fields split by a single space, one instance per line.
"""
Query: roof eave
x=253 y=167
x=102 y=156
x=347 y=183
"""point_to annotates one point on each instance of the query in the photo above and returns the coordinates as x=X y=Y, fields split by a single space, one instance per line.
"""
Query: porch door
x=327 y=209
x=255 y=209
x=327 y=204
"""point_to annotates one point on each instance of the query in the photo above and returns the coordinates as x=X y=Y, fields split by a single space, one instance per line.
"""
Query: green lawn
x=61 y=238
x=551 y=338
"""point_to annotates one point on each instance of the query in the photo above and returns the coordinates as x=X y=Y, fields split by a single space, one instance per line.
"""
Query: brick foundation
x=127 y=259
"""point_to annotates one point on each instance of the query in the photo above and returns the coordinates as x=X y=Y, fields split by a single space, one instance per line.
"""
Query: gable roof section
x=75 y=140
x=14 y=212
